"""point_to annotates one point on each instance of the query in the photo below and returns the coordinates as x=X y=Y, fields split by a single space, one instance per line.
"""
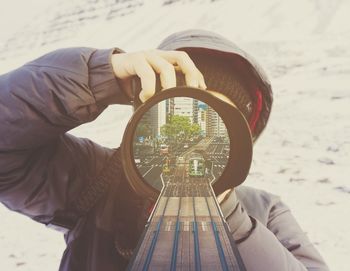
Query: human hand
x=236 y=217
x=144 y=64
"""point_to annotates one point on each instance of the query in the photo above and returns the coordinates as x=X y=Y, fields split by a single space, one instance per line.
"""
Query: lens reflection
x=180 y=139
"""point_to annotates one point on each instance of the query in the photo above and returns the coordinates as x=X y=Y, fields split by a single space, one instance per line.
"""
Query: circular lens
x=180 y=139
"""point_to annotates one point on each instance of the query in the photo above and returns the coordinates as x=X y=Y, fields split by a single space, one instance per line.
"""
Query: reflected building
x=222 y=131
x=202 y=117
x=186 y=106
x=169 y=107
x=162 y=114
x=195 y=111
x=150 y=119
x=198 y=112
x=215 y=125
x=156 y=117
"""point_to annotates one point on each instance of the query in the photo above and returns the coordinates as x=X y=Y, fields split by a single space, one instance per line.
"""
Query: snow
x=304 y=153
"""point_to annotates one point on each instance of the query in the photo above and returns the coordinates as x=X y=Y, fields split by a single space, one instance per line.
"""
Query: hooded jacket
x=256 y=82
x=43 y=168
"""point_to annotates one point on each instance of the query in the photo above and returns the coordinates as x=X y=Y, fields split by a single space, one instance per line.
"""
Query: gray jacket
x=43 y=168
x=276 y=242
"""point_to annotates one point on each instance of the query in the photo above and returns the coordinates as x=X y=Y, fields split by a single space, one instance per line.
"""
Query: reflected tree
x=180 y=128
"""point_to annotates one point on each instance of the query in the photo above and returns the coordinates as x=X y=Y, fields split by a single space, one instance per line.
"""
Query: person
x=44 y=169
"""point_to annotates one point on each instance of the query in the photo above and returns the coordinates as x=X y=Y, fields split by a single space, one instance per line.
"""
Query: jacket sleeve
x=281 y=245
x=40 y=165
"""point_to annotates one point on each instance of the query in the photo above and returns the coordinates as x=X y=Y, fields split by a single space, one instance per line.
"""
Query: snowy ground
x=303 y=155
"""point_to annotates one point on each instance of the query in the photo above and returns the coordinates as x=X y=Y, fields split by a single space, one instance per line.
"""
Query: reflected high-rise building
x=209 y=121
x=198 y=112
x=169 y=107
x=195 y=111
x=186 y=106
x=202 y=117
x=150 y=119
x=162 y=115
x=215 y=125
x=222 y=131
x=156 y=117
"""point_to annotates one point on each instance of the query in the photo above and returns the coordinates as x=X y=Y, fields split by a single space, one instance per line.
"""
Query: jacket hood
x=260 y=90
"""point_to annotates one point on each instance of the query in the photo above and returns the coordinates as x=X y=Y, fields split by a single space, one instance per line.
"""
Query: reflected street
x=180 y=141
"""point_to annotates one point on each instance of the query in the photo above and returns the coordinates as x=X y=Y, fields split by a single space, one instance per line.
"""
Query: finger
x=185 y=63
x=193 y=76
x=164 y=68
x=202 y=83
x=147 y=77
x=191 y=80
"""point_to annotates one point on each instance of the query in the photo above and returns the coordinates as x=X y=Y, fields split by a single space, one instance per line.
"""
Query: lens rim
x=241 y=146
